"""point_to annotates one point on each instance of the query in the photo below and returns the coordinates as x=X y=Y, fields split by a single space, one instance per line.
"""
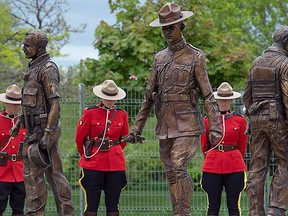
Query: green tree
x=48 y=16
x=10 y=50
x=17 y=17
x=231 y=34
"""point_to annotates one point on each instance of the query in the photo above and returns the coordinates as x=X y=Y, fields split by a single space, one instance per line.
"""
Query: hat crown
x=13 y=92
x=225 y=90
x=109 y=88
x=169 y=13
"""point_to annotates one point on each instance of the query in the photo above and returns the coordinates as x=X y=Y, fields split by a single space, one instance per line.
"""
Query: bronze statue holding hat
x=266 y=101
x=40 y=117
x=99 y=142
x=178 y=79
x=224 y=165
x=12 y=187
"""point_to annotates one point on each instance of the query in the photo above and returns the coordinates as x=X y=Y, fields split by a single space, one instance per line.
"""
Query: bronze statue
x=178 y=78
x=266 y=101
x=40 y=117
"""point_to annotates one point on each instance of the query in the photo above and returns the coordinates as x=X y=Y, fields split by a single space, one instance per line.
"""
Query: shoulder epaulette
x=50 y=63
x=237 y=114
x=91 y=107
x=195 y=48
x=118 y=108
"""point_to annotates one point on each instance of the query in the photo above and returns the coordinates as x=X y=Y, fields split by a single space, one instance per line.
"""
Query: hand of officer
x=45 y=141
x=133 y=138
x=214 y=136
x=14 y=130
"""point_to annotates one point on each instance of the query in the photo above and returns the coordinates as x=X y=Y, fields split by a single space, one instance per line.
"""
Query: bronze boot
x=174 y=197
x=186 y=190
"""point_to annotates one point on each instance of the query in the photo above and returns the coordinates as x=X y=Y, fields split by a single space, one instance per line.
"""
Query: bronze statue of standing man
x=266 y=101
x=40 y=117
x=178 y=78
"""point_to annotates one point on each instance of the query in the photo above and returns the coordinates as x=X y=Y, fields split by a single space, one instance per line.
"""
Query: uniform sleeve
x=147 y=103
x=247 y=96
x=51 y=80
x=284 y=87
x=83 y=129
x=210 y=105
x=243 y=138
x=204 y=140
x=125 y=129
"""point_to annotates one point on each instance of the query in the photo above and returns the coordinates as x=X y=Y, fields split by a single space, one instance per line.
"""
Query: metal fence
x=146 y=192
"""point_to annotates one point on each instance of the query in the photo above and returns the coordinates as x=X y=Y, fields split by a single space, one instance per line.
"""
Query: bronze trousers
x=36 y=191
x=268 y=136
x=175 y=155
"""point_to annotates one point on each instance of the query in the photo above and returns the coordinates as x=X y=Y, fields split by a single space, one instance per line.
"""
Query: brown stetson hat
x=225 y=91
x=12 y=95
x=109 y=91
x=170 y=14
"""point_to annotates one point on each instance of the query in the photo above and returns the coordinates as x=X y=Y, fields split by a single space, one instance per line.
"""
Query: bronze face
x=172 y=33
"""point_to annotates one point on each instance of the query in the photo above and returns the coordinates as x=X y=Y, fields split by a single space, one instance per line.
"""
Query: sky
x=80 y=45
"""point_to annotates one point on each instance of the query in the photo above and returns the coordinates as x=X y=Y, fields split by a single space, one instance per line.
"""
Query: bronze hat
x=225 y=91
x=170 y=14
x=38 y=155
x=12 y=95
x=109 y=91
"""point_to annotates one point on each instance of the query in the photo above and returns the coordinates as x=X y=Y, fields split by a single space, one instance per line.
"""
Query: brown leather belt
x=223 y=148
x=15 y=157
x=110 y=143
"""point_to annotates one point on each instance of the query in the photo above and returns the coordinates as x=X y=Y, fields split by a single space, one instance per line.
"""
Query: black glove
x=133 y=138
x=214 y=136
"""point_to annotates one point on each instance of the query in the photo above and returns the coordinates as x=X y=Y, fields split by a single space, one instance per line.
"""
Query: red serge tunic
x=13 y=171
x=219 y=162
x=90 y=125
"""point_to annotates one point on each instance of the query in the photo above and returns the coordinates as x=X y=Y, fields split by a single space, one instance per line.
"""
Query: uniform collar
x=39 y=61
x=178 y=46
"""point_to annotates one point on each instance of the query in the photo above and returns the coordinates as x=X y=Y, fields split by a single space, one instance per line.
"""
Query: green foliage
x=231 y=34
x=10 y=50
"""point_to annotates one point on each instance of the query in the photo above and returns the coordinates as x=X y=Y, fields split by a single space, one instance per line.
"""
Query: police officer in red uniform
x=11 y=164
x=104 y=167
x=224 y=165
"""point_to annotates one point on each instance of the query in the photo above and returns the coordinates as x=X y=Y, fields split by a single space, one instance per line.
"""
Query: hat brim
x=120 y=95
x=5 y=100
x=156 y=23
x=235 y=95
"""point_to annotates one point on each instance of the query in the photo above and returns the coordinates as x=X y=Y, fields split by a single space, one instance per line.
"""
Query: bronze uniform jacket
x=178 y=79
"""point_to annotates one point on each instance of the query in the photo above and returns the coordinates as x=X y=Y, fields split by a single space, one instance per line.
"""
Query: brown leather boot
x=87 y=213
x=112 y=214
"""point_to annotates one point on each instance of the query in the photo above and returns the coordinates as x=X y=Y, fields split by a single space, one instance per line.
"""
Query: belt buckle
x=110 y=143
x=13 y=157
x=165 y=97
x=220 y=148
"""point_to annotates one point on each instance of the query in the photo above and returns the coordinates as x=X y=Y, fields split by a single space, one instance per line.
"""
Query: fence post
x=82 y=101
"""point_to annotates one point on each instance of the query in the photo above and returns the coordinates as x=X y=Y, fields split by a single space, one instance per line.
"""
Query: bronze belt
x=223 y=148
x=174 y=97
